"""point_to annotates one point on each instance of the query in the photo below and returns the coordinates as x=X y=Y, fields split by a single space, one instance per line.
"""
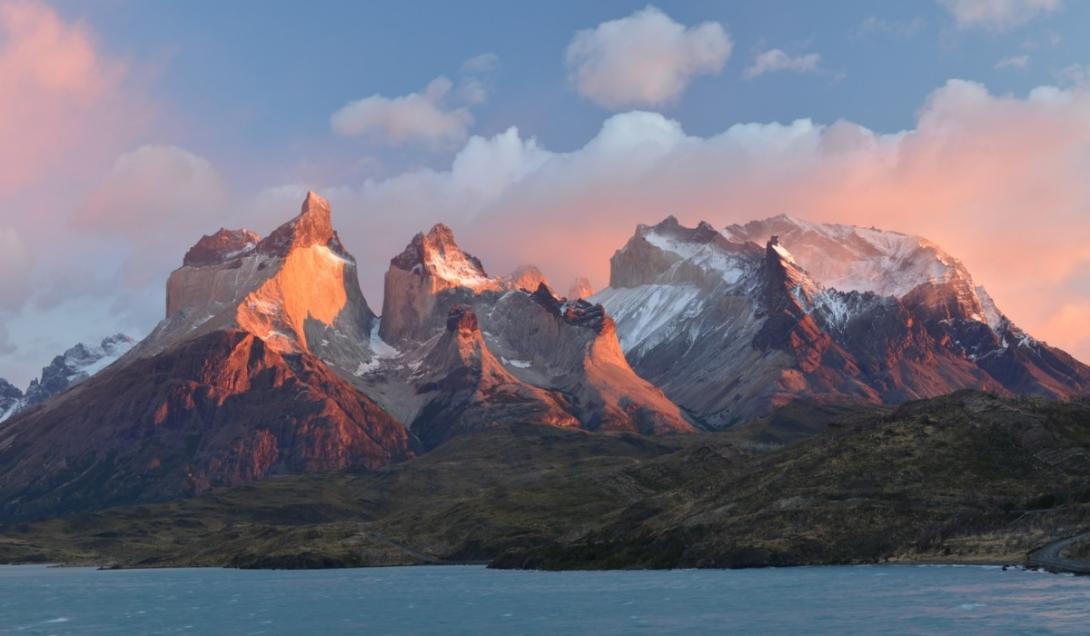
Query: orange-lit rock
x=297 y=289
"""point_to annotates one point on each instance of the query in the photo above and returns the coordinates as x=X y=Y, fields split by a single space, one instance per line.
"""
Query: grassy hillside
x=965 y=477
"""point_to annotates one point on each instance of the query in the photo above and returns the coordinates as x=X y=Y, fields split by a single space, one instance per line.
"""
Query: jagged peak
x=782 y=272
x=526 y=277
x=580 y=288
x=440 y=233
x=544 y=297
x=578 y=312
x=313 y=226
x=9 y=390
x=437 y=254
x=777 y=250
x=670 y=230
x=315 y=203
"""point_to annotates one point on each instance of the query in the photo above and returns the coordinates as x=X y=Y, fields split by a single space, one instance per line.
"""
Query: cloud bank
x=996 y=179
x=645 y=59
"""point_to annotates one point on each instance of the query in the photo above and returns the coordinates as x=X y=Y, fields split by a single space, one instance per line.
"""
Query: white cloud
x=645 y=59
x=413 y=118
x=1014 y=61
x=997 y=15
x=777 y=60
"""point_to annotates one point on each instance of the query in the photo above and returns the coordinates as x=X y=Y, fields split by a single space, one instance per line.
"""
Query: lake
x=474 y=600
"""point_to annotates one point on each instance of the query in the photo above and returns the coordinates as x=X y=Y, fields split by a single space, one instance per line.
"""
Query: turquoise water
x=473 y=600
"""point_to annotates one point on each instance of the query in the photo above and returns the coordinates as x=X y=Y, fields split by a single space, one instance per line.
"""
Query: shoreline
x=1004 y=565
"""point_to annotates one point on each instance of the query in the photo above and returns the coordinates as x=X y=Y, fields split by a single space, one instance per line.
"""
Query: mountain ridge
x=731 y=331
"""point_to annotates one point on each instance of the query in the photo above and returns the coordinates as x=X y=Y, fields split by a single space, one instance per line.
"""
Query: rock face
x=430 y=266
x=469 y=390
x=221 y=409
x=564 y=355
x=731 y=330
x=297 y=289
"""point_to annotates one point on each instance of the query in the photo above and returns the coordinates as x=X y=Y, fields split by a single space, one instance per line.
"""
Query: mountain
x=222 y=409
x=580 y=288
x=243 y=378
x=68 y=369
x=562 y=354
x=269 y=361
x=470 y=390
x=731 y=330
x=297 y=289
x=527 y=277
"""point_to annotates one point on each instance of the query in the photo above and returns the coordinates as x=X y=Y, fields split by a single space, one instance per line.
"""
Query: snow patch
x=648 y=314
x=453 y=266
x=706 y=256
x=520 y=364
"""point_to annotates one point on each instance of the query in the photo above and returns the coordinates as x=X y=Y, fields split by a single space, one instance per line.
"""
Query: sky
x=541 y=133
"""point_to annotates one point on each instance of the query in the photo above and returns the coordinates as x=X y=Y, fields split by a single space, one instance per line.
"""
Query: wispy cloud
x=997 y=15
x=775 y=60
x=1020 y=62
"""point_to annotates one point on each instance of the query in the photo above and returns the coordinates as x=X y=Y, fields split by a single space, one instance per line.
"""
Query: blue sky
x=258 y=80
x=177 y=117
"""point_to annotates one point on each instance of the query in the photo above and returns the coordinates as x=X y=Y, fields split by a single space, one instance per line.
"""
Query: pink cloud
x=59 y=95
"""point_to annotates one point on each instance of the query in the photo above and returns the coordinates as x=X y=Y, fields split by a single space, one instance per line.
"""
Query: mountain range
x=73 y=366
x=269 y=359
x=733 y=323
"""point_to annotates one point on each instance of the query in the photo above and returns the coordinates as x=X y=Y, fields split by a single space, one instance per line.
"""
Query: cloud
x=413 y=118
x=156 y=201
x=512 y=201
x=1014 y=61
x=15 y=264
x=473 y=86
x=483 y=63
x=7 y=347
x=645 y=59
x=777 y=60
x=58 y=93
x=1075 y=74
x=997 y=15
